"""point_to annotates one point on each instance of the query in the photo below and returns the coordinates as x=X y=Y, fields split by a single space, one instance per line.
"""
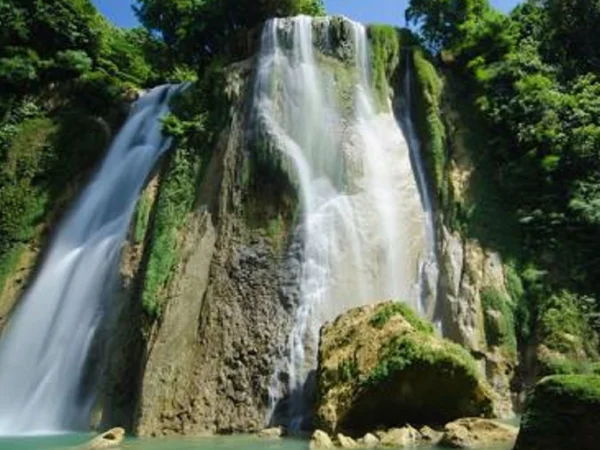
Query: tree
x=197 y=30
x=441 y=20
x=574 y=26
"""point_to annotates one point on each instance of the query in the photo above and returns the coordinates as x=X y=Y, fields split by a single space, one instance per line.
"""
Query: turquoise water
x=221 y=443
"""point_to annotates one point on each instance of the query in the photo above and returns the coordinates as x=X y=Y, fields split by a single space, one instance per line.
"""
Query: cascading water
x=364 y=225
x=44 y=349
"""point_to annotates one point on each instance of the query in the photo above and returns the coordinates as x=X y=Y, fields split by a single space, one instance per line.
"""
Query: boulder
x=271 y=433
x=369 y=441
x=320 y=440
x=109 y=439
x=430 y=436
x=346 y=442
x=562 y=413
x=381 y=366
x=399 y=437
x=476 y=433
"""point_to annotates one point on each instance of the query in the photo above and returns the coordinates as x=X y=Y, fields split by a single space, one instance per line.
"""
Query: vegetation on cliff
x=64 y=75
x=220 y=33
x=532 y=111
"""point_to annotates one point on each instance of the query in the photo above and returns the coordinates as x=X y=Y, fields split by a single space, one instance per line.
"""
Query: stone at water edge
x=109 y=439
x=399 y=437
x=271 y=433
x=430 y=435
x=320 y=440
x=369 y=441
x=346 y=442
x=477 y=432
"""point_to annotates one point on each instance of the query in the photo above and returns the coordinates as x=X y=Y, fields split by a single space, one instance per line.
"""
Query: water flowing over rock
x=363 y=223
x=44 y=350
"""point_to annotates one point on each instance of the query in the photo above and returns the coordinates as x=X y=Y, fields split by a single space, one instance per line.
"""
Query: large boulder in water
x=562 y=413
x=109 y=439
x=382 y=366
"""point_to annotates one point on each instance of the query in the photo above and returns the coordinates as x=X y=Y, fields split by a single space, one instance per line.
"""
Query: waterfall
x=364 y=224
x=44 y=350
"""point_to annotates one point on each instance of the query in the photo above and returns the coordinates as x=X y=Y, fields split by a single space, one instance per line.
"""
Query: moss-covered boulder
x=563 y=412
x=382 y=366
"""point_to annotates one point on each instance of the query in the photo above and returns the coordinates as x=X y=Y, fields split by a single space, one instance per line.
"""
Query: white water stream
x=45 y=347
x=364 y=223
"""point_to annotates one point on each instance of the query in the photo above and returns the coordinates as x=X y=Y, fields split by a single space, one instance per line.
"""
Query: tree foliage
x=197 y=30
x=532 y=76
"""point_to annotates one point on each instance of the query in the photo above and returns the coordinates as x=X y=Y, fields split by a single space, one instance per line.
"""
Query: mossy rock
x=563 y=412
x=382 y=366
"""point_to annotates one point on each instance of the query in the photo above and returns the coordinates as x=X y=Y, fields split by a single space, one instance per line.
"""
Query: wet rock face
x=206 y=365
x=466 y=272
x=381 y=367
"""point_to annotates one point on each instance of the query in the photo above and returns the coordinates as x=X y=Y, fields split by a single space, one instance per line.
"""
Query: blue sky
x=367 y=11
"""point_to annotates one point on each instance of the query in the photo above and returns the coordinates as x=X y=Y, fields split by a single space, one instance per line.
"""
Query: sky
x=366 y=11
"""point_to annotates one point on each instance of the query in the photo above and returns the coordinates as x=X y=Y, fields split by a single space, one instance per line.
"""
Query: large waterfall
x=45 y=347
x=364 y=224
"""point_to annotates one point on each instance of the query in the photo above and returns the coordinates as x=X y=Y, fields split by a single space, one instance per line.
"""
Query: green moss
x=387 y=311
x=428 y=87
x=8 y=263
x=499 y=328
x=197 y=118
x=516 y=291
x=385 y=58
x=560 y=365
x=410 y=350
x=562 y=413
x=347 y=370
x=175 y=199
x=142 y=217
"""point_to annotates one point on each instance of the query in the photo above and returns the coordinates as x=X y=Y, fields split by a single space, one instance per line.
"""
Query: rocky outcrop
x=320 y=440
x=15 y=283
x=563 y=412
x=467 y=274
x=109 y=439
x=381 y=366
x=346 y=442
x=399 y=437
x=206 y=364
x=473 y=432
x=271 y=433
x=211 y=358
x=369 y=440
x=477 y=433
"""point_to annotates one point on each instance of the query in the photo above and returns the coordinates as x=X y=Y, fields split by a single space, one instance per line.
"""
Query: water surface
x=64 y=442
